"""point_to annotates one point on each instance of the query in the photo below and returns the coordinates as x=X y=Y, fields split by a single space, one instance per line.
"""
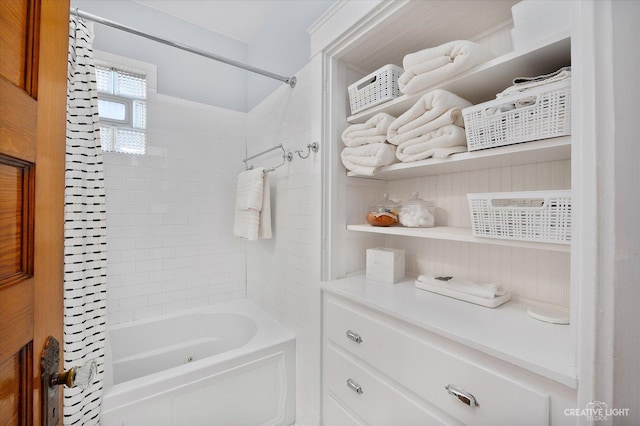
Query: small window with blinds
x=122 y=108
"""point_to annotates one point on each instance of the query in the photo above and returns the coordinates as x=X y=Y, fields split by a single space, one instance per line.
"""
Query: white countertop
x=506 y=332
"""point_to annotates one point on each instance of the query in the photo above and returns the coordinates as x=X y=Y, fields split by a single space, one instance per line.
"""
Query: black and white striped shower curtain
x=85 y=276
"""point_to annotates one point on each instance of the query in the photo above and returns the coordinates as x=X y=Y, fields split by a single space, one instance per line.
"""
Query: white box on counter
x=385 y=265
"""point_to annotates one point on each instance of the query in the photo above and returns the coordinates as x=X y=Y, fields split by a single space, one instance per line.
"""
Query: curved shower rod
x=291 y=81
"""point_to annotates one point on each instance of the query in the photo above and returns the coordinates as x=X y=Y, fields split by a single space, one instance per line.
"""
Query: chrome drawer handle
x=462 y=395
x=354 y=336
x=354 y=386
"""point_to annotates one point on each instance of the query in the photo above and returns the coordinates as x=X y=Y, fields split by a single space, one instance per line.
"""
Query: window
x=122 y=109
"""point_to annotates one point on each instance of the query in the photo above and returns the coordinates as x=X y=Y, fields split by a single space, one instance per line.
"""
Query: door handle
x=80 y=376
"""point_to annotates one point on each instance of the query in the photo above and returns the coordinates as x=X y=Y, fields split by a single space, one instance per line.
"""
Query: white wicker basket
x=540 y=216
x=378 y=87
x=548 y=117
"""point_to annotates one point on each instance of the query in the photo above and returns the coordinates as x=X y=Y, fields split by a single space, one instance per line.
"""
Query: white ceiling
x=237 y=19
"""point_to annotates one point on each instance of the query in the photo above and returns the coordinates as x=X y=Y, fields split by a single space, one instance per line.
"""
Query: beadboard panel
x=532 y=274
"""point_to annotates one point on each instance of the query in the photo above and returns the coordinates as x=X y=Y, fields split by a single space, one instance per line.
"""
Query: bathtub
x=228 y=364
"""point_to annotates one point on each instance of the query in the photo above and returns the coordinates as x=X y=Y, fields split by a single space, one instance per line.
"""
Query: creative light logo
x=597 y=411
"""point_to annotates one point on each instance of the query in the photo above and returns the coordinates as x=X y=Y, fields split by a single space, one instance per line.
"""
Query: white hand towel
x=486 y=291
x=365 y=159
x=374 y=130
x=438 y=143
x=429 y=67
x=249 y=189
x=252 y=217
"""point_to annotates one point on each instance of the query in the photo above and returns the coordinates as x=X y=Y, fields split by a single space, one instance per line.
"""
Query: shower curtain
x=85 y=278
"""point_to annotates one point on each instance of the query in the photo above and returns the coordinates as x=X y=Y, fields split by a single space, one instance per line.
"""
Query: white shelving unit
x=535 y=273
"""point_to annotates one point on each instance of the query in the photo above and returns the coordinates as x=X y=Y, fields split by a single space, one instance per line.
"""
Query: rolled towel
x=365 y=159
x=439 y=143
x=429 y=67
x=374 y=130
x=486 y=291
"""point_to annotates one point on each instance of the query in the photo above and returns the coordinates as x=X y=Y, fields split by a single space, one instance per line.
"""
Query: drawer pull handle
x=354 y=386
x=462 y=395
x=354 y=336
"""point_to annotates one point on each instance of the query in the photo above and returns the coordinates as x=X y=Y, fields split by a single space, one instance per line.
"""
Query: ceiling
x=237 y=19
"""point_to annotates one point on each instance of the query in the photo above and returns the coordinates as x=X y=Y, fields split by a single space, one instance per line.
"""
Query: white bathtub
x=229 y=364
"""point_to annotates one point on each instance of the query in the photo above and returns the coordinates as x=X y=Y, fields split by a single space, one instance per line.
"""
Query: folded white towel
x=438 y=143
x=365 y=159
x=251 y=206
x=249 y=189
x=522 y=84
x=486 y=291
x=429 y=67
x=429 y=107
x=374 y=130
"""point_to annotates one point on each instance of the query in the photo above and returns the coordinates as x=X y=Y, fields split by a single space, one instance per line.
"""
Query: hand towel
x=428 y=67
x=486 y=291
x=252 y=219
x=249 y=189
x=374 y=130
x=365 y=159
x=438 y=143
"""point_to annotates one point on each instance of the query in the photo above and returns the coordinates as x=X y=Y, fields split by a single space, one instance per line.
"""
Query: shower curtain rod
x=291 y=81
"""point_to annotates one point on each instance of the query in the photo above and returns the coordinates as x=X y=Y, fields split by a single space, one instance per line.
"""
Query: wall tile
x=169 y=213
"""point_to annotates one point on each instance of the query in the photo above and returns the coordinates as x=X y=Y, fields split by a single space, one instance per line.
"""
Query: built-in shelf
x=455 y=234
x=512 y=155
x=483 y=82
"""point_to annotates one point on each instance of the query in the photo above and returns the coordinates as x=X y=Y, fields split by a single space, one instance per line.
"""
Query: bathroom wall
x=282 y=45
x=283 y=273
x=169 y=244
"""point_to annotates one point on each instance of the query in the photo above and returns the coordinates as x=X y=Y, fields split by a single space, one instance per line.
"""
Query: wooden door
x=33 y=63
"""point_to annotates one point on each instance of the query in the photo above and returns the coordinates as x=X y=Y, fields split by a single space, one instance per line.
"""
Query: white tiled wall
x=169 y=240
x=283 y=274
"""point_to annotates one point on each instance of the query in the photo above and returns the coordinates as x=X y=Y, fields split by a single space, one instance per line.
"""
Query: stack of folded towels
x=433 y=127
x=366 y=147
x=428 y=67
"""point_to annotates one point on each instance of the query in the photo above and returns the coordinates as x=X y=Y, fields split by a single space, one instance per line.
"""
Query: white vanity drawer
x=425 y=368
x=370 y=397
x=334 y=414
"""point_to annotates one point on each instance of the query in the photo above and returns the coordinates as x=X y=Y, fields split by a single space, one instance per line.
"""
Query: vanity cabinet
x=382 y=364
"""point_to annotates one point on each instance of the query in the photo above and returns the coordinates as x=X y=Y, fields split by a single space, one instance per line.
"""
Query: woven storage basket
x=378 y=87
x=548 y=117
x=540 y=216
